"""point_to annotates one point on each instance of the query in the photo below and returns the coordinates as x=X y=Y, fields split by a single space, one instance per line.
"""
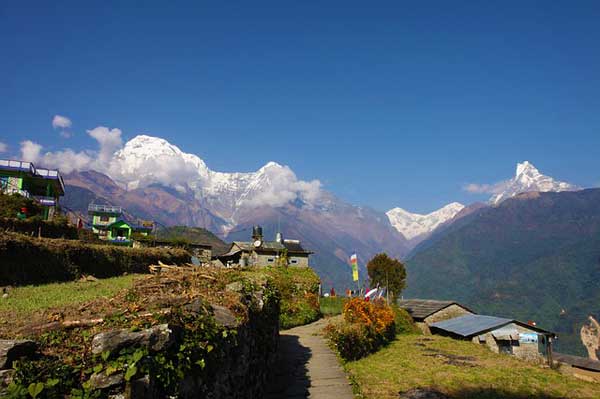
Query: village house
x=110 y=224
x=426 y=311
x=500 y=335
x=259 y=252
x=44 y=186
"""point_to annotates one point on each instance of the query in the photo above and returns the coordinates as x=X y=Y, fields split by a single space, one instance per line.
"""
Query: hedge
x=28 y=260
x=35 y=226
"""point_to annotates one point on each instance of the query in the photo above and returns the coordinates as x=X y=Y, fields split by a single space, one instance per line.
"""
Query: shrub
x=57 y=228
x=366 y=327
x=404 y=322
x=299 y=290
x=26 y=260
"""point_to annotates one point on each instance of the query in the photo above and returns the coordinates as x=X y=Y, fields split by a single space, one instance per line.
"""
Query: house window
x=294 y=261
x=270 y=260
x=104 y=218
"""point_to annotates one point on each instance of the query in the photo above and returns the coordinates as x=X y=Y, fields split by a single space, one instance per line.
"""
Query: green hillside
x=534 y=257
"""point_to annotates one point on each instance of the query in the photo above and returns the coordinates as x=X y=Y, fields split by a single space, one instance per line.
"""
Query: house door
x=122 y=233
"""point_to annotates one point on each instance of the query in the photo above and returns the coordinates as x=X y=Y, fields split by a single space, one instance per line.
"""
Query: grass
x=332 y=306
x=414 y=361
x=26 y=300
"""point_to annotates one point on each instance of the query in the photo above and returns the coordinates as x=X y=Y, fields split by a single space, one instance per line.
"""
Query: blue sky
x=387 y=103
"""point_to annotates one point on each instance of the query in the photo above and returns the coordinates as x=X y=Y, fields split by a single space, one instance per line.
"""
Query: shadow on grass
x=289 y=374
x=472 y=393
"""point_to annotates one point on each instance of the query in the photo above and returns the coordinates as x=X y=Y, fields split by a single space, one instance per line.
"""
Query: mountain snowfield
x=528 y=178
x=146 y=160
x=413 y=225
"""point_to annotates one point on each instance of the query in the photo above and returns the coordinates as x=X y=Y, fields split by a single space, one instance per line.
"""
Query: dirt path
x=307 y=368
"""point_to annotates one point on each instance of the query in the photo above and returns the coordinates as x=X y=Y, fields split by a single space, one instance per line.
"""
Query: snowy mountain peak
x=526 y=168
x=146 y=160
x=413 y=225
x=528 y=178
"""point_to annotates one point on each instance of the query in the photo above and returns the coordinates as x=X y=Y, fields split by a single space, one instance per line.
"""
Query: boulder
x=11 y=350
x=156 y=339
x=101 y=380
x=224 y=317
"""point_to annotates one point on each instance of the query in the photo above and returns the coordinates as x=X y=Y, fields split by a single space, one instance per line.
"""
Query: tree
x=387 y=272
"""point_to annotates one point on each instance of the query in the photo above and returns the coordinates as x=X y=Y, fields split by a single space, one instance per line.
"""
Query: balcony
x=105 y=209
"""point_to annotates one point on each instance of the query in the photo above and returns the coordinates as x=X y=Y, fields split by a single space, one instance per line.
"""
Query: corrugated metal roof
x=274 y=246
x=422 y=308
x=471 y=324
x=577 y=361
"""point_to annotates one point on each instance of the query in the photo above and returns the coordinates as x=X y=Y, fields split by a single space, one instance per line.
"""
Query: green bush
x=58 y=228
x=299 y=291
x=27 y=260
x=353 y=341
x=11 y=204
x=404 y=322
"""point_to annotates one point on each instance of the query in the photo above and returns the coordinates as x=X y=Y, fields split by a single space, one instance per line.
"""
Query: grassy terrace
x=24 y=301
x=460 y=370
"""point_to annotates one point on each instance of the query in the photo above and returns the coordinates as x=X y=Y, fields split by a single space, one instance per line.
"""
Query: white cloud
x=30 y=151
x=495 y=188
x=3 y=147
x=61 y=122
x=68 y=160
x=110 y=141
x=282 y=187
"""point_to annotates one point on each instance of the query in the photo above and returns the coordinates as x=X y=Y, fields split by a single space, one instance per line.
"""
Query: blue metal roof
x=471 y=324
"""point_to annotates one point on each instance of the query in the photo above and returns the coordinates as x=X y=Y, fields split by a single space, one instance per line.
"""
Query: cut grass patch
x=23 y=301
x=332 y=306
x=459 y=369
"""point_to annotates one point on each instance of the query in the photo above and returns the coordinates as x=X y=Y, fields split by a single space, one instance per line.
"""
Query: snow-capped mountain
x=147 y=160
x=416 y=226
x=528 y=178
x=153 y=179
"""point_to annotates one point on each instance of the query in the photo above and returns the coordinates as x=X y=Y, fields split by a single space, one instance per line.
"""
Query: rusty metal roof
x=422 y=308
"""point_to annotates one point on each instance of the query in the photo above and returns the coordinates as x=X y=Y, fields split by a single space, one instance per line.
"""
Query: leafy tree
x=387 y=272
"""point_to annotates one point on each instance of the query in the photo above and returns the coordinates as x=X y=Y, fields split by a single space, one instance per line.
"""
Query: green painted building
x=44 y=186
x=110 y=224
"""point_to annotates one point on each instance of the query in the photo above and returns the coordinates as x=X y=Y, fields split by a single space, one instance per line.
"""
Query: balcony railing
x=13 y=190
x=105 y=208
x=17 y=165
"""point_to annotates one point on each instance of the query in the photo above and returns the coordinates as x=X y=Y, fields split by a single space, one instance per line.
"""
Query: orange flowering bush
x=376 y=314
x=366 y=326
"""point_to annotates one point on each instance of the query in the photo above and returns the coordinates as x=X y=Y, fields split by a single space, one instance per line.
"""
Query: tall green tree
x=387 y=272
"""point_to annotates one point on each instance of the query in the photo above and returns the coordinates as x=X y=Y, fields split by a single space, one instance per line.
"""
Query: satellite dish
x=257 y=243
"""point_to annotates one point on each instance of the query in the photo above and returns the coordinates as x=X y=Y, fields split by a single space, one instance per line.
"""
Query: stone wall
x=194 y=348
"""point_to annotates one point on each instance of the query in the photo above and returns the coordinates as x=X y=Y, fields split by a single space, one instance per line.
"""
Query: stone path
x=307 y=368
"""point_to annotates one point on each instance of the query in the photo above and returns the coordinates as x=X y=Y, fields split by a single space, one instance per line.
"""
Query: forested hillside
x=534 y=257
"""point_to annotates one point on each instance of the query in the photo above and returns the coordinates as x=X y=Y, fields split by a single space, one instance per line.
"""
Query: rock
x=236 y=286
x=101 y=380
x=197 y=306
x=142 y=388
x=224 y=316
x=422 y=393
x=156 y=338
x=11 y=350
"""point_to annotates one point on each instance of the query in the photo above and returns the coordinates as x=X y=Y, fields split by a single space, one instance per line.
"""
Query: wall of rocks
x=191 y=349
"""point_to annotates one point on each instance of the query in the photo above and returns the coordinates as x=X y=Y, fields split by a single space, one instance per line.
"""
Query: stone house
x=500 y=335
x=426 y=311
x=259 y=252
x=45 y=186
